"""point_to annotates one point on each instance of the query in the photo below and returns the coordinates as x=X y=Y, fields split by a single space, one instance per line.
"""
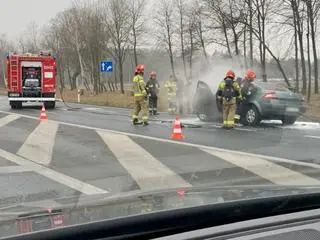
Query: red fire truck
x=31 y=78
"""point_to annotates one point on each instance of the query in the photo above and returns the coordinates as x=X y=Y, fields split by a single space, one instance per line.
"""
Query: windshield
x=135 y=106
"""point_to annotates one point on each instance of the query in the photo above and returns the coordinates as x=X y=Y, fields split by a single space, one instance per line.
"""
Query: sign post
x=105 y=67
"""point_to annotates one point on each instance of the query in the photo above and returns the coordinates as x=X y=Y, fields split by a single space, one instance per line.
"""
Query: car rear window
x=275 y=86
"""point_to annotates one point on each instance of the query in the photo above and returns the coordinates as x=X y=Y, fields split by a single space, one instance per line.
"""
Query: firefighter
x=153 y=91
x=239 y=103
x=246 y=89
x=140 y=96
x=246 y=84
x=228 y=93
x=171 y=86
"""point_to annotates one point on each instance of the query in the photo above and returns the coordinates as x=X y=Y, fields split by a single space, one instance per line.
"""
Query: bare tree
x=309 y=60
x=299 y=20
x=250 y=24
x=74 y=25
x=136 y=8
x=181 y=11
x=200 y=29
x=51 y=41
x=5 y=47
x=313 y=10
x=191 y=43
x=263 y=8
x=165 y=22
x=119 y=28
x=218 y=20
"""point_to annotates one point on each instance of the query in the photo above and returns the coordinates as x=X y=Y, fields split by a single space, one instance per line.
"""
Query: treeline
x=276 y=38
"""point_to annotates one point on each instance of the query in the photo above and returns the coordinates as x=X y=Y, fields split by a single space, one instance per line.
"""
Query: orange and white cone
x=177 y=132
x=43 y=115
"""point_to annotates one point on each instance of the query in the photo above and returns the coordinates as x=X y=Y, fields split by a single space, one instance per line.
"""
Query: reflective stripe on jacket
x=139 y=88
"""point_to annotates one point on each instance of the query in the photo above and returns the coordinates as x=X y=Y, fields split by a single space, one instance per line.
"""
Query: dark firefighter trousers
x=153 y=104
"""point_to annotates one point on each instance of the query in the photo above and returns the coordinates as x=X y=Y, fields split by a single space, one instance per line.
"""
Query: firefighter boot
x=135 y=121
x=145 y=123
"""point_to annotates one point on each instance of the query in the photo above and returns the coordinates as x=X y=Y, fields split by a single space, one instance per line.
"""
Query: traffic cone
x=43 y=115
x=177 y=132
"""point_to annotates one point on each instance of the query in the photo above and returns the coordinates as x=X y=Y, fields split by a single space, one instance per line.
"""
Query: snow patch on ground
x=296 y=125
x=278 y=123
x=101 y=110
x=304 y=125
x=192 y=121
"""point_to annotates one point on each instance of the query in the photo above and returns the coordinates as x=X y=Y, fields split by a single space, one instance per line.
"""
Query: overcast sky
x=15 y=15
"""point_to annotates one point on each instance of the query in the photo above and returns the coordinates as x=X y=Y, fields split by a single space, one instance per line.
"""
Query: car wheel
x=251 y=116
x=203 y=117
x=13 y=105
x=287 y=120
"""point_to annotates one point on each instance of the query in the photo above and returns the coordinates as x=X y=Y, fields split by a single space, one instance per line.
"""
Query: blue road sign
x=106 y=66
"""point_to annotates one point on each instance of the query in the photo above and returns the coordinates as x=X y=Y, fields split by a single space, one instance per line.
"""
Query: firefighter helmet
x=140 y=68
x=251 y=75
x=231 y=74
x=153 y=74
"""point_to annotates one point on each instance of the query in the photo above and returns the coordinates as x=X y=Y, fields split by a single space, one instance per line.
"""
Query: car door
x=203 y=99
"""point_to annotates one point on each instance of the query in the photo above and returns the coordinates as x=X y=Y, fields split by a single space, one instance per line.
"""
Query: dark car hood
x=35 y=216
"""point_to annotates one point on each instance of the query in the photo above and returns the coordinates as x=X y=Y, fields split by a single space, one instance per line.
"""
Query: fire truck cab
x=31 y=78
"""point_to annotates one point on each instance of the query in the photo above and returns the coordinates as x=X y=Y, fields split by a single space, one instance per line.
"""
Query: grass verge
x=111 y=99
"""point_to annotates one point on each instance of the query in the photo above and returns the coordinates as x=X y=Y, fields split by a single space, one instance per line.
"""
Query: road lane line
x=270 y=158
x=148 y=172
x=73 y=183
x=13 y=169
x=39 y=145
x=310 y=136
x=266 y=169
x=8 y=119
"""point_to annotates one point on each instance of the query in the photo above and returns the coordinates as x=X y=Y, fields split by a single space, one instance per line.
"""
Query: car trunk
x=288 y=96
x=285 y=101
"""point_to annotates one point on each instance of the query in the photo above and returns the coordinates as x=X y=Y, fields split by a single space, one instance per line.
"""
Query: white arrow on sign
x=109 y=68
x=103 y=65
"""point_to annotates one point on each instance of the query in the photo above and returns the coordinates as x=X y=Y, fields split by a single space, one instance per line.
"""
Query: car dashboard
x=296 y=226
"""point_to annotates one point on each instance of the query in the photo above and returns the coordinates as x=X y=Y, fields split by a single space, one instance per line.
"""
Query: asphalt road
x=86 y=150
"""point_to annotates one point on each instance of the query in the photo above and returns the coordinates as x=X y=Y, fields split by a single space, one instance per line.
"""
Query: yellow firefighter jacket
x=235 y=92
x=139 y=88
x=171 y=87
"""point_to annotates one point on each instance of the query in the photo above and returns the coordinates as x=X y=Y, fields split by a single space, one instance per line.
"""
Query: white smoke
x=211 y=71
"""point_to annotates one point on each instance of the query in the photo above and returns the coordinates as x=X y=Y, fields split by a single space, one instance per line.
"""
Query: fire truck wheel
x=16 y=105
x=50 y=105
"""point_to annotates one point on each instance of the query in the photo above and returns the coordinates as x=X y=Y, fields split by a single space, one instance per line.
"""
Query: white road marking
x=39 y=145
x=236 y=152
x=53 y=175
x=273 y=172
x=13 y=169
x=8 y=119
x=148 y=172
x=310 y=136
